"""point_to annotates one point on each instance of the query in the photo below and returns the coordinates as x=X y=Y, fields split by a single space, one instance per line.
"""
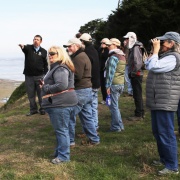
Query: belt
x=50 y=95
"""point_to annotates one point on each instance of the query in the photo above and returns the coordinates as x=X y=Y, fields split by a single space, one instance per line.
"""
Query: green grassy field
x=26 y=144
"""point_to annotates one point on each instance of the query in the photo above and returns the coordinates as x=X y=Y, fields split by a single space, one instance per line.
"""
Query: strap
x=50 y=95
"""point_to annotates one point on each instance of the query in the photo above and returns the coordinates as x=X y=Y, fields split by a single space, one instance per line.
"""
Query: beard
x=70 y=53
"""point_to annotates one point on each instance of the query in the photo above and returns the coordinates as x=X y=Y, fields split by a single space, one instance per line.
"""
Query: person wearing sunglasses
x=59 y=99
x=162 y=97
x=35 y=68
x=83 y=88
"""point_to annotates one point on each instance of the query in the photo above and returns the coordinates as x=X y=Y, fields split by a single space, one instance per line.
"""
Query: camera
x=151 y=44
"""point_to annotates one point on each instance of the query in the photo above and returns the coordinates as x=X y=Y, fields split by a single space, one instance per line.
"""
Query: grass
x=27 y=142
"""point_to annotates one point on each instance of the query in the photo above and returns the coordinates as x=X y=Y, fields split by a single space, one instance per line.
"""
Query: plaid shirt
x=111 y=66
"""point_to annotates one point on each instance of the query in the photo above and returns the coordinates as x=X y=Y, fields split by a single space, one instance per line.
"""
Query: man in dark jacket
x=83 y=87
x=135 y=73
x=95 y=76
x=35 y=68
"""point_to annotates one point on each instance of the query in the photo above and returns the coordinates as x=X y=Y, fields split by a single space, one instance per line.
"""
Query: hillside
x=26 y=144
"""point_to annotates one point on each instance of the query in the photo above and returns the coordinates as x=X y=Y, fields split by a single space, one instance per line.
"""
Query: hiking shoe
x=31 y=113
x=89 y=143
x=42 y=112
x=157 y=163
x=56 y=161
x=135 y=118
x=166 y=171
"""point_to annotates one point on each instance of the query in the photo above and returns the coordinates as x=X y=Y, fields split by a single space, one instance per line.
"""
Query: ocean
x=12 y=68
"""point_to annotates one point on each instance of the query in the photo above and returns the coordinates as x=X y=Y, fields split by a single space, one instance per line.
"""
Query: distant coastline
x=7 y=87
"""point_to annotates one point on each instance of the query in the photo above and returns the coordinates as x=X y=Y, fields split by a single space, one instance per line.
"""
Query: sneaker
x=166 y=171
x=135 y=118
x=103 y=102
x=56 y=161
x=157 y=163
x=72 y=145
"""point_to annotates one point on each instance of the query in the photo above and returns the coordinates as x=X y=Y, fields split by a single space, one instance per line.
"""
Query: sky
x=56 y=21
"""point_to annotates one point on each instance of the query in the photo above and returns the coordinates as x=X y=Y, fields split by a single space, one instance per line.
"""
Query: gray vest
x=163 y=89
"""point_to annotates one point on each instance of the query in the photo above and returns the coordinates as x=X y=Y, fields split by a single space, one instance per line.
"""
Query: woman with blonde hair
x=59 y=99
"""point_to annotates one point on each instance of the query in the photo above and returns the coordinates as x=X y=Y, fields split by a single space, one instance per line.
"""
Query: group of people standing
x=70 y=88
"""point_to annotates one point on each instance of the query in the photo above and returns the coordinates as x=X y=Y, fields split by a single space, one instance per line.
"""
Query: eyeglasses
x=52 y=53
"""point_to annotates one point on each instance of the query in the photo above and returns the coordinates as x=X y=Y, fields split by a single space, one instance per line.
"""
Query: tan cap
x=114 y=41
x=72 y=41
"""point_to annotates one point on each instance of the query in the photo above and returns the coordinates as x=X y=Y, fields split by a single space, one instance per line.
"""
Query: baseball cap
x=114 y=41
x=86 y=37
x=170 y=35
x=72 y=41
x=105 y=40
x=130 y=34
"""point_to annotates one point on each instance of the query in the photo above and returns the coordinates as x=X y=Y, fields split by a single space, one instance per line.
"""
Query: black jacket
x=35 y=62
x=94 y=58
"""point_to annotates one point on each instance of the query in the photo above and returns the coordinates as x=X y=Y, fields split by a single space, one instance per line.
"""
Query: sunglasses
x=52 y=53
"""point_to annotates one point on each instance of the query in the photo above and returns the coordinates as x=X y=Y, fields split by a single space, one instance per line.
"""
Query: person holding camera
x=162 y=97
x=35 y=68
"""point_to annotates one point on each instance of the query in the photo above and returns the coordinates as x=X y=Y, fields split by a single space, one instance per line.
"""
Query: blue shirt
x=163 y=65
x=36 y=48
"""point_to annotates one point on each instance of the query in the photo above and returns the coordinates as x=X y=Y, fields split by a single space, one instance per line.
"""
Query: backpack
x=144 y=56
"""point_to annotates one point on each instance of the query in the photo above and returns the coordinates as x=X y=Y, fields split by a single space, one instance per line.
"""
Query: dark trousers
x=178 y=116
x=103 y=85
x=32 y=88
x=163 y=131
x=137 y=95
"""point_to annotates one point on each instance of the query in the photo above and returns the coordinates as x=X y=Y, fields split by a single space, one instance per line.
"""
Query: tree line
x=147 y=18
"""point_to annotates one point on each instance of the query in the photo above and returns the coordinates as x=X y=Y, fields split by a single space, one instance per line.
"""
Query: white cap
x=72 y=41
x=86 y=37
x=130 y=35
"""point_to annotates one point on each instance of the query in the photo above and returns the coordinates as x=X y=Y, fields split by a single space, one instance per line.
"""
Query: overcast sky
x=56 y=21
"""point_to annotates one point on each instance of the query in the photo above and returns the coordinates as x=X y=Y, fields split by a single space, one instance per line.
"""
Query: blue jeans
x=116 y=120
x=95 y=107
x=84 y=110
x=59 y=118
x=163 y=131
x=178 y=116
x=128 y=81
